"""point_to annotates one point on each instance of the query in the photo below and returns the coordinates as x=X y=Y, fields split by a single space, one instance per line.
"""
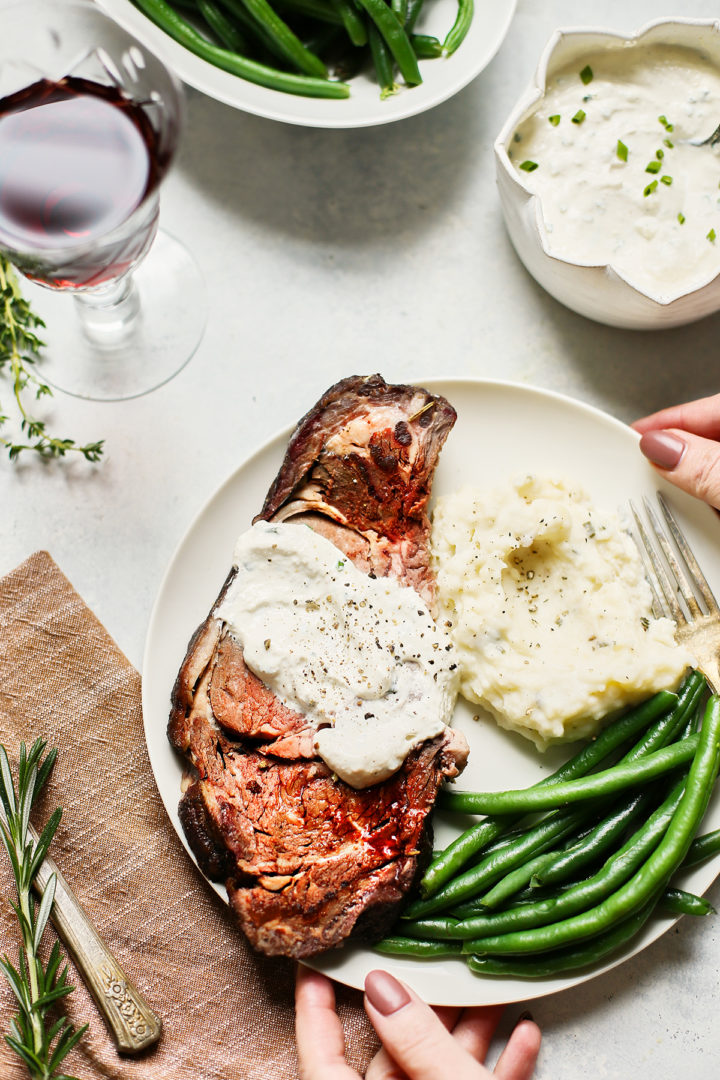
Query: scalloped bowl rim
x=536 y=91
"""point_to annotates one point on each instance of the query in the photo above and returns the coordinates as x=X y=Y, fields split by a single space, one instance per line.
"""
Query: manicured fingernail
x=385 y=993
x=663 y=448
x=523 y=1016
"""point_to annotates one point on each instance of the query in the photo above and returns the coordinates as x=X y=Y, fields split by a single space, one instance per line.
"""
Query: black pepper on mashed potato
x=551 y=613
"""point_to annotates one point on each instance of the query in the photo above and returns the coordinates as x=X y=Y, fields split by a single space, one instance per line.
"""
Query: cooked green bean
x=425 y=46
x=178 y=28
x=383 y=61
x=578 y=898
x=414 y=8
x=680 y=902
x=703 y=847
x=559 y=961
x=226 y=33
x=313 y=9
x=558 y=867
x=400 y=8
x=287 y=40
x=498 y=862
x=403 y=946
x=352 y=22
x=473 y=840
x=397 y=40
x=655 y=871
x=460 y=27
x=605 y=783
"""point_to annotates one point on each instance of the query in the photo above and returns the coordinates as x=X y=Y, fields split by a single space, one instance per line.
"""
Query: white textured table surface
x=330 y=253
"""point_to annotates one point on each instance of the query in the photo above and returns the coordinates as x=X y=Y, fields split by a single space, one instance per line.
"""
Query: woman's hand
x=419 y=1043
x=683 y=442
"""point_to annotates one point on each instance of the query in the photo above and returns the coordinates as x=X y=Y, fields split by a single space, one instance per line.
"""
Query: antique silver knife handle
x=133 y=1024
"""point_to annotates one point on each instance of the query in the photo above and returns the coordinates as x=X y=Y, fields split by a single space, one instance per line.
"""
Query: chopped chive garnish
x=579 y=116
x=663 y=120
x=517 y=137
x=554 y=120
x=681 y=218
x=711 y=236
x=622 y=150
x=669 y=143
x=586 y=74
x=652 y=186
x=659 y=154
x=587 y=97
x=653 y=166
x=529 y=166
x=666 y=180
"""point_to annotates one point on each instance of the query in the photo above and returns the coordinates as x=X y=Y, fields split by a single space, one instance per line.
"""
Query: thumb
x=688 y=461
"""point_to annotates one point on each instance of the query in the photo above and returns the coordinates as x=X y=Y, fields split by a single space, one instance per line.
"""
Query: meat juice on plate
x=76 y=161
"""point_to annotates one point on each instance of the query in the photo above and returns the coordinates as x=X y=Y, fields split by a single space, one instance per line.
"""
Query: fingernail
x=663 y=448
x=524 y=1016
x=385 y=993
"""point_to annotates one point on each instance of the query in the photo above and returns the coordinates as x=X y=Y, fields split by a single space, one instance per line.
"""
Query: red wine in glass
x=77 y=160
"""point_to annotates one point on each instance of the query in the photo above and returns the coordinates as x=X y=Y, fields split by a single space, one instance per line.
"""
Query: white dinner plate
x=442 y=77
x=503 y=429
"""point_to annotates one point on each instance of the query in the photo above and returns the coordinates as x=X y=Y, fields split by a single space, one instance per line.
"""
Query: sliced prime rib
x=307 y=860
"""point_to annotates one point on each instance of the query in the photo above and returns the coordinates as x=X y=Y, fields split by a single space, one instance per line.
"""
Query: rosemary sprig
x=19 y=351
x=41 y=1042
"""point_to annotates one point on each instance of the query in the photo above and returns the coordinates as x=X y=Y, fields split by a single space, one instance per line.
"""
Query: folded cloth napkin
x=227 y=1013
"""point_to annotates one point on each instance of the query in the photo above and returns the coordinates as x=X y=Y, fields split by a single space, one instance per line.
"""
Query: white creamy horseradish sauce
x=360 y=657
x=603 y=152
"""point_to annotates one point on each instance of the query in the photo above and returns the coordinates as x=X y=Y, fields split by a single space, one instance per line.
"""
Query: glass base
x=116 y=362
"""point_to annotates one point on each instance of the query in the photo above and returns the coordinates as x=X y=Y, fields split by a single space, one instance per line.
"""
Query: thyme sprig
x=20 y=348
x=40 y=1041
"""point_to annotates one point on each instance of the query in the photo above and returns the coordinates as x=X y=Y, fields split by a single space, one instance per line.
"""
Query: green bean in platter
x=268 y=57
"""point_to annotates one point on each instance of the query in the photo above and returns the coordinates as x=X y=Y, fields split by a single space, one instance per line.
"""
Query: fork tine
x=690 y=561
x=666 y=604
x=682 y=583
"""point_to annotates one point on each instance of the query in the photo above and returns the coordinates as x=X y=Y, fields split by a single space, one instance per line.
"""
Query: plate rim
x=517 y=990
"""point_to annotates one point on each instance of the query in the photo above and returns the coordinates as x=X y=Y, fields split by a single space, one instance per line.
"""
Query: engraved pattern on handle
x=132 y=1023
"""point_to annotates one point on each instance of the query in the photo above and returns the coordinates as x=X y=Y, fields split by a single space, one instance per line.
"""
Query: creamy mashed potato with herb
x=550 y=610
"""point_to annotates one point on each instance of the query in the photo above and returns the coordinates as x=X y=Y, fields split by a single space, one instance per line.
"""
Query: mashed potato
x=550 y=610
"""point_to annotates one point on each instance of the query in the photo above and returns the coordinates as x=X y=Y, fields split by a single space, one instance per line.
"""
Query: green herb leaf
x=622 y=150
x=20 y=349
x=528 y=166
x=554 y=120
x=653 y=167
x=652 y=186
x=39 y=1038
x=586 y=74
x=579 y=116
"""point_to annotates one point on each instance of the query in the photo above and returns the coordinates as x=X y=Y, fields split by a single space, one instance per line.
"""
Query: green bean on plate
x=563 y=875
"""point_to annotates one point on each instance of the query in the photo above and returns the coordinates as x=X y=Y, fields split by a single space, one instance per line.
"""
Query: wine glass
x=89 y=125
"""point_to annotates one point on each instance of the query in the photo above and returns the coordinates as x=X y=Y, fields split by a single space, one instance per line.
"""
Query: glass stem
x=109 y=312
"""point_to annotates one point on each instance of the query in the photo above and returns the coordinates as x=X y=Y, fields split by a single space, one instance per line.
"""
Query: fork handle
x=132 y=1023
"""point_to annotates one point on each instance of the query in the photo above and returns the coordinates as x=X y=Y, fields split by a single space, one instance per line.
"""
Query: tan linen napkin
x=227 y=1013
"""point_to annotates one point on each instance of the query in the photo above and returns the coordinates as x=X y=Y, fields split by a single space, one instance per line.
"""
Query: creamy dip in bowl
x=606 y=204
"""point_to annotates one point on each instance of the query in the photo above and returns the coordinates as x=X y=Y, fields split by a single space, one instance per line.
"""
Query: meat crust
x=308 y=861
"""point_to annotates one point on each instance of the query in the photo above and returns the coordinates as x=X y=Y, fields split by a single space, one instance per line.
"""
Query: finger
x=700 y=417
x=475 y=1029
x=414 y=1037
x=318 y=1031
x=690 y=462
x=517 y=1061
x=382 y=1066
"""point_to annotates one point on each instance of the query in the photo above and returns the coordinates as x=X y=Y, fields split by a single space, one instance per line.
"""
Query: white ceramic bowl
x=442 y=78
x=598 y=292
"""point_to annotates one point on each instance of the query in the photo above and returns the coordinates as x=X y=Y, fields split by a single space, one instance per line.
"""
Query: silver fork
x=673 y=580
